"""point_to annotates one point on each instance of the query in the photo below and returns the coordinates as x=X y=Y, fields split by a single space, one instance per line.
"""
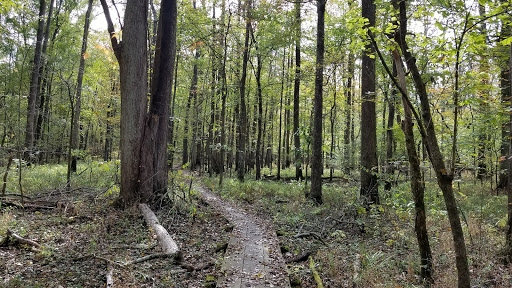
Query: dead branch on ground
x=313 y=234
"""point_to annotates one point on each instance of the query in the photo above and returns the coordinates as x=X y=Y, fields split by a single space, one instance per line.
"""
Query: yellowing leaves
x=86 y=55
x=194 y=45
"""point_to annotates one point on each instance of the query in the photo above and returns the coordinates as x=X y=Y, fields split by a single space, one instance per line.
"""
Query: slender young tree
x=296 y=94
x=75 y=131
x=444 y=179
x=348 y=113
x=417 y=185
x=316 y=163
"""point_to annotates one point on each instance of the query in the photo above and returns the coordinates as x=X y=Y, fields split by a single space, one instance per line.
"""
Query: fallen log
x=164 y=239
x=110 y=276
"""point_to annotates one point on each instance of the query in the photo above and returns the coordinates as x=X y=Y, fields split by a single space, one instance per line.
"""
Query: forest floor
x=82 y=239
x=82 y=236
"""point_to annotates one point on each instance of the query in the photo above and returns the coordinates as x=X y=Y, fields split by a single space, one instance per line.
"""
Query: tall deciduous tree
x=316 y=163
x=369 y=163
x=143 y=133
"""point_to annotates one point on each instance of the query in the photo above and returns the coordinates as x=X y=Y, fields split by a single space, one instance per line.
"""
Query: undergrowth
x=377 y=247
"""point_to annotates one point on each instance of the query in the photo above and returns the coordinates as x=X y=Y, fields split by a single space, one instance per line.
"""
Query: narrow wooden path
x=253 y=257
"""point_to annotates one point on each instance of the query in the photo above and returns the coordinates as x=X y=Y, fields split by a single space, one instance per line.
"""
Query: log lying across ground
x=165 y=241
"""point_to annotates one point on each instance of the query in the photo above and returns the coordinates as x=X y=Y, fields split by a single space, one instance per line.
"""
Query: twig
x=148 y=257
x=314 y=234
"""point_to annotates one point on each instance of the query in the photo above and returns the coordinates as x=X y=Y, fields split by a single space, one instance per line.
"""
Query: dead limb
x=30 y=243
x=357 y=267
x=147 y=258
x=164 y=239
x=313 y=234
x=316 y=276
x=110 y=274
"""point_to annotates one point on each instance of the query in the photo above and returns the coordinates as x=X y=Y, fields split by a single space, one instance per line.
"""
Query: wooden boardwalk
x=253 y=257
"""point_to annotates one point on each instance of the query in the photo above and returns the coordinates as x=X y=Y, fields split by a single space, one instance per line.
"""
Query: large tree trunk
x=34 y=81
x=369 y=164
x=436 y=158
x=133 y=75
x=154 y=168
x=296 y=95
x=75 y=131
x=316 y=165
x=144 y=136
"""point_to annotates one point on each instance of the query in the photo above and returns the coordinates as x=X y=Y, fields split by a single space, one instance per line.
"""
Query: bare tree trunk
x=75 y=131
x=333 y=120
x=243 y=109
x=505 y=88
x=296 y=95
x=260 y=115
x=390 y=168
x=348 y=113
x=154 y=168
x=279 y=149
x=34 y=87
x=369 y=165
x=224 y=90
x=316 y=165
x=43 y=74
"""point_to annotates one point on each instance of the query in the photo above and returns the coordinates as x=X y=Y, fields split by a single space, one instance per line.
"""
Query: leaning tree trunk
x=316 y=165
x=417 y=185
x=444 y=179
